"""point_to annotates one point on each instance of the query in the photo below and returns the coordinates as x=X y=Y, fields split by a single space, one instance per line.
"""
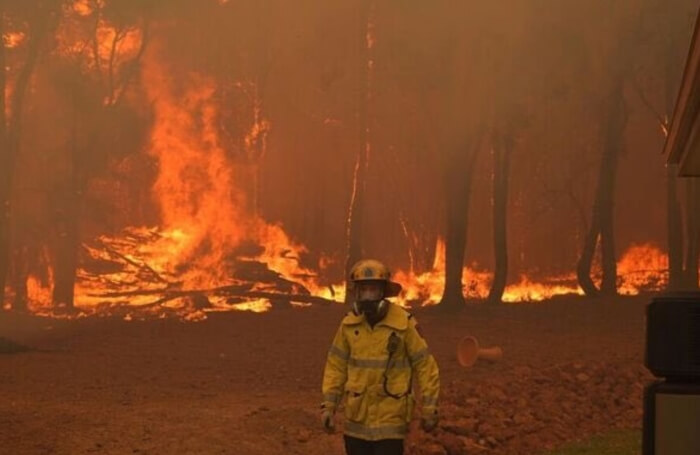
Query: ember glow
x=148 y=282
x=13 y=39
x=84 y=7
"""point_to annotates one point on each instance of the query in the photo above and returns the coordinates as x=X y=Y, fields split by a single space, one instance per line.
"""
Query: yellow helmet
x=369 y=269
x=373 y=270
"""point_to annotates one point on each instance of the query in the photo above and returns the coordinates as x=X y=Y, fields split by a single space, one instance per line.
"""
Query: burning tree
x=101 y=46
x=174 y=139
x=24 y=27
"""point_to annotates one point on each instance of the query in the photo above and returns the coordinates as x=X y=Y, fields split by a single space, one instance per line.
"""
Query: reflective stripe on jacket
x=354 y=375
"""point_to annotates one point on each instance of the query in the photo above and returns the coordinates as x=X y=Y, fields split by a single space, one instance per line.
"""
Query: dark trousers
x=355 y=446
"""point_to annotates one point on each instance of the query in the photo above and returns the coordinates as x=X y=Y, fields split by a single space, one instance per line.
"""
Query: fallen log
x=232 y=291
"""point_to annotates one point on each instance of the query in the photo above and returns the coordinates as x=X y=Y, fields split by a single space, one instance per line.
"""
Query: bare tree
x=601 y=227
x=94 y=119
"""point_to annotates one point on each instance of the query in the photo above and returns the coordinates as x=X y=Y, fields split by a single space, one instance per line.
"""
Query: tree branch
x=130 y=71
x=659 y=118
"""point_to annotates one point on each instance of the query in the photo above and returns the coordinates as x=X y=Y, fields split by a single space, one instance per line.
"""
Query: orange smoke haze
x=241 y=124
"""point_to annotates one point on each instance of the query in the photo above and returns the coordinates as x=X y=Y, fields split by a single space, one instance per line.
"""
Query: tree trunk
x=10 y=135
x=67 y=255
x=20 y=261
x=602 y=226
x=583 y=268
x=503 y=146
x=72 y=202
x=68 y=228
x=355 y=220
x=458 y=186
x=5 y=168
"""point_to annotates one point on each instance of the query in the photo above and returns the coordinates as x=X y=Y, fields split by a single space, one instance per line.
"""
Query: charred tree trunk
x=6 y=165
x=68 y=227
x=355 y=220
x=583 y=268
x=66 y=255
x=20 y=269
x=458 y=187
x=70 y=215
x=10 y=135
x=602 y=226
x=502 y=150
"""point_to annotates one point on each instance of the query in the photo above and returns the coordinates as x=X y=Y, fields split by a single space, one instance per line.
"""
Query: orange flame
x=201 y=209
x=107 y=49
x=13 y=39
x=642 y=268
x=207 y=224
x=84 y=7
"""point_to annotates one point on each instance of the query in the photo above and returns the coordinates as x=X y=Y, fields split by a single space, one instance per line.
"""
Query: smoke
x=265 y=99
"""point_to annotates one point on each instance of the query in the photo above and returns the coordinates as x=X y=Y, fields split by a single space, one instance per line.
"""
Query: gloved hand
x=429 y=423
x=327 y=421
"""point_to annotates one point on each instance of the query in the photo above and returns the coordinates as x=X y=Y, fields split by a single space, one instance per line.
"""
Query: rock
x=521 y=403
x=463 y=426
x=486 y=429
x=303 y=436
x=491 y=441
x=452 y=444
x=431 y=448
x=522 y=371
x=496 y=393
x=523 y=419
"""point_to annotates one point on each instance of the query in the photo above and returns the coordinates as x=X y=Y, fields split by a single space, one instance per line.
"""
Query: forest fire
x=212 y=254
x=147 y=279
x=642 y=268
x=187 y=185
x=212 y=249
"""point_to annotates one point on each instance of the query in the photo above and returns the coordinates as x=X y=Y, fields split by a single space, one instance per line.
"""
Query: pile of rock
x=526 y=410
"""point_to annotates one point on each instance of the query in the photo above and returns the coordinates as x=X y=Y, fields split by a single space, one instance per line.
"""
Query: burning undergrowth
x=211 y=249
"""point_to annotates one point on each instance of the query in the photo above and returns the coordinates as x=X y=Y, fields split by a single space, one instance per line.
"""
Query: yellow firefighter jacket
x=360 y=370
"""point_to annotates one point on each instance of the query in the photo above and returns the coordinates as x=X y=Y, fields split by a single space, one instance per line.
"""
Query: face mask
x=368 y=298
x=369 y=309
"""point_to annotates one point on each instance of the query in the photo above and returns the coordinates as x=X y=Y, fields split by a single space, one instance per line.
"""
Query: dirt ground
x=249 y=384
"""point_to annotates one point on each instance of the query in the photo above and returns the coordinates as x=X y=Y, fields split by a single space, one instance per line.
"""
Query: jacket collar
x=396 y=318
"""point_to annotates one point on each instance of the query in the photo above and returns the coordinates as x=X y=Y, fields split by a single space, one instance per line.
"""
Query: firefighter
x=376 y=356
